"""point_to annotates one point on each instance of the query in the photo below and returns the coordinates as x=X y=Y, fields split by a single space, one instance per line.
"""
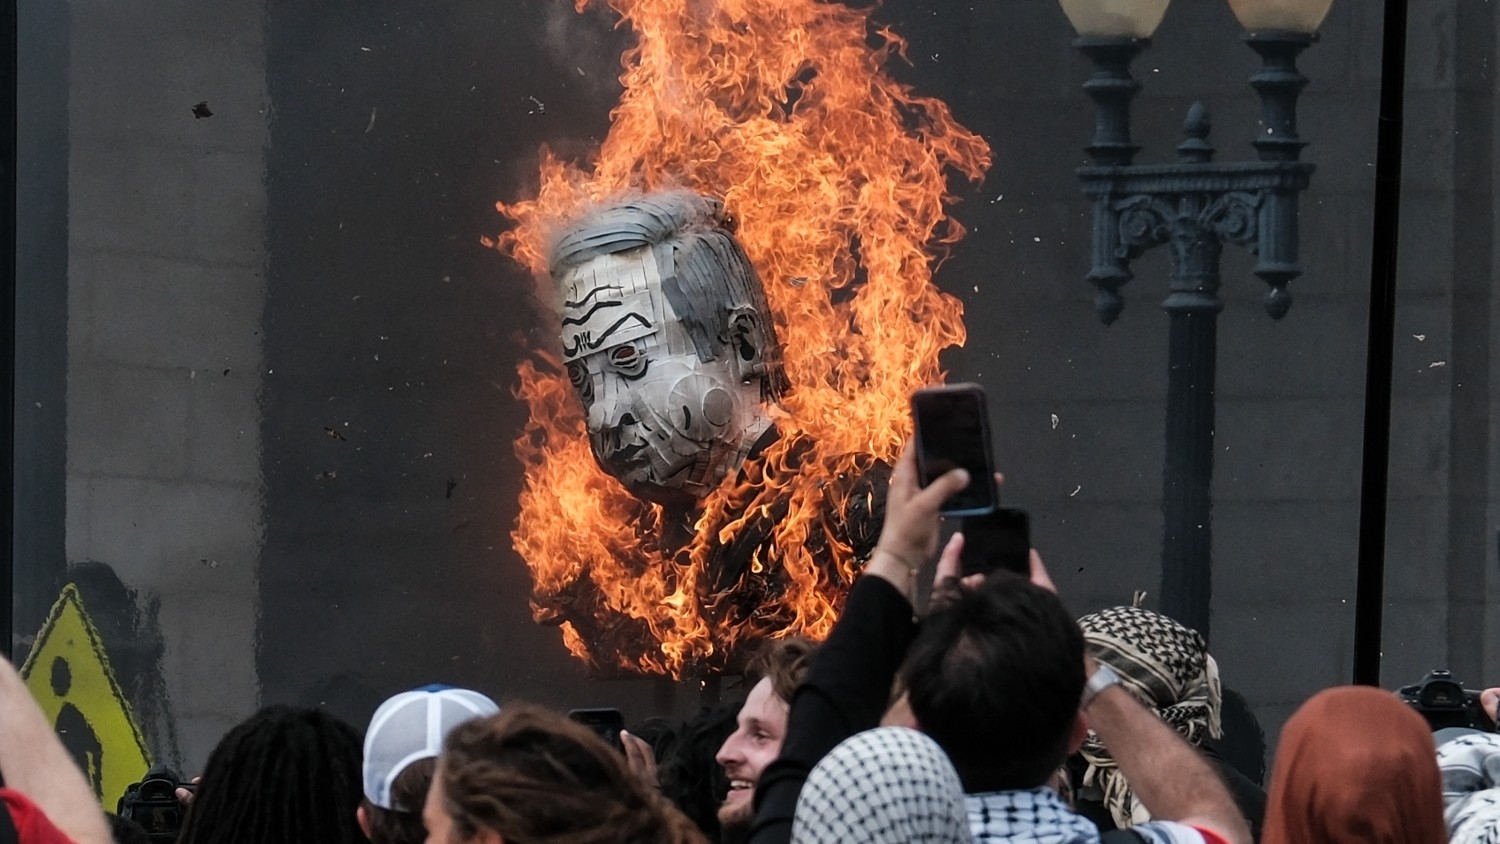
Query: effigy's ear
x=748 y=338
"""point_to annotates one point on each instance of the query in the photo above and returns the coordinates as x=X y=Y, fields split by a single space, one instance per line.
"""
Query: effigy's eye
x=627 y=360
x=578 y=374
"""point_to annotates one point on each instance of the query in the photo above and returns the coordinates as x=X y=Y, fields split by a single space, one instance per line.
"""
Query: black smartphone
x=953 y=431
x=998 y=541
x=606 y=723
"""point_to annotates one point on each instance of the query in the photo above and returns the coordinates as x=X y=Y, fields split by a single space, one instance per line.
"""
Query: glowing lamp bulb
x=1115 y=18
x=1286 y=15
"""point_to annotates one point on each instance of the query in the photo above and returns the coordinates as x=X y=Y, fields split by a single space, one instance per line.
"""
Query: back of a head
x=284 y=774
x=1163 y=663
x=890 y=785
x=533 y=776
x=995 y=677
x=1166 y=666
x=401 y=747
x=402 y=826
x=1355 y=764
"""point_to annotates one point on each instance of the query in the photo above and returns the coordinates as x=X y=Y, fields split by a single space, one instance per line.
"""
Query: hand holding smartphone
x=606 y=724
x=953 y=432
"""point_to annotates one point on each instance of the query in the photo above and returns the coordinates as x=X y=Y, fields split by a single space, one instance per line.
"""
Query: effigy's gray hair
x=706 y=275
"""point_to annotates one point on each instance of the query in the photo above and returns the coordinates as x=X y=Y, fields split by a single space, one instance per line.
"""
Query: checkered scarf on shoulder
x=1471 y=788
x=1167 y=667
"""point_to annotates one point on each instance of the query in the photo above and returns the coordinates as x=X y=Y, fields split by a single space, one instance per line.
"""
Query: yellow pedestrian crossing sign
x=69 y=675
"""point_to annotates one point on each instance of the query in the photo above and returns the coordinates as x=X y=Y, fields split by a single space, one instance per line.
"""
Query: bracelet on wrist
x=911 y=570
x=1101 y=679
x=902 y=559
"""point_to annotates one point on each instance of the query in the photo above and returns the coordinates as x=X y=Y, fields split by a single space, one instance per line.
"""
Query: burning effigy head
x=668 y=342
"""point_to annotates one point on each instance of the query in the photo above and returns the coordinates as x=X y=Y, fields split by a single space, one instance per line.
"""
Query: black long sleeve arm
x=847 y=689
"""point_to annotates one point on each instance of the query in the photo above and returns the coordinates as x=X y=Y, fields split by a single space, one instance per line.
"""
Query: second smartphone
x=997 y=541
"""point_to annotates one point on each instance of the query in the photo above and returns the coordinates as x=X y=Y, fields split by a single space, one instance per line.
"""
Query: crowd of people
x=989 y=715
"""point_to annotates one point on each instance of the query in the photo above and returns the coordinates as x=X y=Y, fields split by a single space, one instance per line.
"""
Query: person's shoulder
x=1171 y=832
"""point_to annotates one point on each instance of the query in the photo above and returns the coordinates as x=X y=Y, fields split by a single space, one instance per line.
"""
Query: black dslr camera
x=1444 y=702
x=153 y=803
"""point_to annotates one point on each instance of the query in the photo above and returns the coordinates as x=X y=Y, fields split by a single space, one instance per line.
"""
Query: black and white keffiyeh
x=890 y=785
x=1039 y=816
x=1471 y=799
x=1032 y=816
x=1167 y=667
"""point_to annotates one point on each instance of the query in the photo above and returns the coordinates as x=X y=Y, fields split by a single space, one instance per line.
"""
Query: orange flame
x=837 y=176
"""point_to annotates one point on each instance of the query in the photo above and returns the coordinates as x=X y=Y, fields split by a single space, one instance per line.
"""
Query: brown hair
x=785 y=661
x=409 y=792
x=534 y=776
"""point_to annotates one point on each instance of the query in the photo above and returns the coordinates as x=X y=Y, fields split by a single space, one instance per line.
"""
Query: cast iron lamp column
x=1193 y=207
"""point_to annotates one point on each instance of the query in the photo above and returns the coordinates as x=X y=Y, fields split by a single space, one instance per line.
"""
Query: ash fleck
x=201 y=110
x=541 y=107
x=336 y=434
x=452 y=485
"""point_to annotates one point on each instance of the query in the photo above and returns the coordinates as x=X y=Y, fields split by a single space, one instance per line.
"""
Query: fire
x=837 y=176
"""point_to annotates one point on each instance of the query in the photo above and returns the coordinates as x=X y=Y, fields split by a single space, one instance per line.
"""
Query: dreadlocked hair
x=690 y=776
x=534 y=776
x=284 y=774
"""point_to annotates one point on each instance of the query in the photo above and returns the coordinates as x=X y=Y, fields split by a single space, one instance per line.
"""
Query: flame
x=837 y=175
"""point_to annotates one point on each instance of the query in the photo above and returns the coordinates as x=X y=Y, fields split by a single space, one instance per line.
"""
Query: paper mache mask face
x=667 y=343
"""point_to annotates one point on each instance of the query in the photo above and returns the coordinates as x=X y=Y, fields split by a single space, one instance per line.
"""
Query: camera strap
x=1120 y=836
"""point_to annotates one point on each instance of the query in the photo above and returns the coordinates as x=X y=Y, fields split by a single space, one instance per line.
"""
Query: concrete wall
x=1442 y=573
x=165 y=291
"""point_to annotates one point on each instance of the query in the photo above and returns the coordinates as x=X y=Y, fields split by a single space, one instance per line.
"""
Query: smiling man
x=761 y=726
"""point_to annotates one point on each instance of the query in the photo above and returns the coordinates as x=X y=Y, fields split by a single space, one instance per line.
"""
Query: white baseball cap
x=410 y=727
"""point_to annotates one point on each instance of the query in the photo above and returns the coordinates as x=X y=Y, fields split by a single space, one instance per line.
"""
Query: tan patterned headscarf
x=1167 y=667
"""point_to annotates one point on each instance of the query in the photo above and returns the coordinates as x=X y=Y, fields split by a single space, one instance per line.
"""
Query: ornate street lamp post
x=1193 y=206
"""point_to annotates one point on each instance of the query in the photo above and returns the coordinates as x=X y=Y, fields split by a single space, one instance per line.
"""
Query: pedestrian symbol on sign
x=74 y=730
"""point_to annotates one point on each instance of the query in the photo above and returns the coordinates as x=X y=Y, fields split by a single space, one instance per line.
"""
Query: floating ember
x=836 y=177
